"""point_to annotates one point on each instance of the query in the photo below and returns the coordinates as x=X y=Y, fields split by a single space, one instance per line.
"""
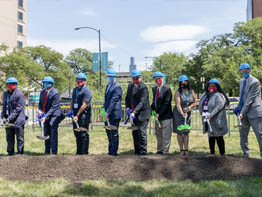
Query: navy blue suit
x=82 y=137
x=13 y=110
x=112 y=105
x=53 y=117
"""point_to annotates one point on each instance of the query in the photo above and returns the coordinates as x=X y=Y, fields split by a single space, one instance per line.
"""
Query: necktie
x=132 y=104
x=45 y=99
x=241 y=102
x=157 y=94
x=108 y=87
x=134 y=89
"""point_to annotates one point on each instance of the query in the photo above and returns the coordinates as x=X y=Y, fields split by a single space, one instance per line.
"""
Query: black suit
x=163 y=104
x=140 y=102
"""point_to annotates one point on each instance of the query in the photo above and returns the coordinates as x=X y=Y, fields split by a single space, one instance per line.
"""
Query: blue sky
x=136 y=28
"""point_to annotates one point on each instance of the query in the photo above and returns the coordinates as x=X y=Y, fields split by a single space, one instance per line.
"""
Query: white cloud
x=65 y=46
x=88 y=12
x=172 y=32
x=185 y=46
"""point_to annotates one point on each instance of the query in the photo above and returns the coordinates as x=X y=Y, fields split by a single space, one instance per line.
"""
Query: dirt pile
x=127 y=167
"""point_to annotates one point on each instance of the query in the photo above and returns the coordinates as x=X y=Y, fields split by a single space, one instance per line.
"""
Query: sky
x=138 y=28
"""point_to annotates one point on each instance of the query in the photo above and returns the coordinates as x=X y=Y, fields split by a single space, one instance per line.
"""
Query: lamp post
x=153 y=58
x=99 y=43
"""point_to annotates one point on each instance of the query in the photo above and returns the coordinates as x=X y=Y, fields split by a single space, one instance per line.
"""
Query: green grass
x=98 y=145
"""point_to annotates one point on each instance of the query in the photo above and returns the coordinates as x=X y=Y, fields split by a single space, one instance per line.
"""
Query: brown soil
x=126 y=167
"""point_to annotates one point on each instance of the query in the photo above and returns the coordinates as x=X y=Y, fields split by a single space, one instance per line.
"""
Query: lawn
x=250 y=186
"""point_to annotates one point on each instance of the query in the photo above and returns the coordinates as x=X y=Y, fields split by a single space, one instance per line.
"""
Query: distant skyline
x=131 y=27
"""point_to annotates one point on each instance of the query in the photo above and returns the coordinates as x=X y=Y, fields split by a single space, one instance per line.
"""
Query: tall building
x=13 y=24
x=132 y=65
x=254 y=9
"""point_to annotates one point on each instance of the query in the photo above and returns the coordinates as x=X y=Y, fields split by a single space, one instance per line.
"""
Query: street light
x=153 y=58
x=99 y=42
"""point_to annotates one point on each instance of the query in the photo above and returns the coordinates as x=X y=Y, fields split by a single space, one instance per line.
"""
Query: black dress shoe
x=159 y=152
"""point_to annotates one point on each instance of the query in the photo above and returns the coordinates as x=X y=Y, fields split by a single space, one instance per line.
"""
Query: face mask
x=11 y=87
x=110 y=79
x=159 y=81
x=80 y=83
x=245 y=74
x=135 y=80
x=47 y=85
x=212 y=89
x=184 y=86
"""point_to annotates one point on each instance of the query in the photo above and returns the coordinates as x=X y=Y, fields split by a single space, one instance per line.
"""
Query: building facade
x=13 y=25
x=254 y=9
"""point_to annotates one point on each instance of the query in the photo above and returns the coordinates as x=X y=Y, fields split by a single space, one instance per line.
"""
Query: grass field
x=98 y=145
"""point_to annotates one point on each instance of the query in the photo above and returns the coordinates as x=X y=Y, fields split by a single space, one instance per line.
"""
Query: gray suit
x=252 y=113
x=217 y=112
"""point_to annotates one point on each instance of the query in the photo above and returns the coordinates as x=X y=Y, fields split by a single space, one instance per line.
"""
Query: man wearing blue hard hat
x=113 y=109
x=249 y=108
x=162 y=97
x=13 y=113
x=81 y=110
x=50 y=114
x=137 y=100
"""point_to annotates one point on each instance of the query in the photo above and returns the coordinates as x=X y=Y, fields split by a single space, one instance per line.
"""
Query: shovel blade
x=43 y=137
x=133 y=128
x=79 y=129
x=111 y=127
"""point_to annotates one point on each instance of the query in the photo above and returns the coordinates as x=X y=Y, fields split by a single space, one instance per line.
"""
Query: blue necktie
x=241 y=103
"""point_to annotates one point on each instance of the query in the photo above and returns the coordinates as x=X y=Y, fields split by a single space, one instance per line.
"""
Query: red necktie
x=45 y=98
x=132 y=105
x=157 y=94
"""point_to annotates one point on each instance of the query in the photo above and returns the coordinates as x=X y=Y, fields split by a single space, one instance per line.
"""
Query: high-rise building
x=254 y=9
x=132 y=65
x=13 y=25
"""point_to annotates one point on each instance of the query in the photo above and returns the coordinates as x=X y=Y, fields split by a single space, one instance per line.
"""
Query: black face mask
x=184 y=86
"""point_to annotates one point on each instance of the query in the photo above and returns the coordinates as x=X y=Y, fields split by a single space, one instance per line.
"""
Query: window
x=20 y=16
x=20 y=28
x=19 y=44
x=20 y=3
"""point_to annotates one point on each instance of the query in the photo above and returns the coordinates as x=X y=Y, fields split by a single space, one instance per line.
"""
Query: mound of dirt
x=126 y=167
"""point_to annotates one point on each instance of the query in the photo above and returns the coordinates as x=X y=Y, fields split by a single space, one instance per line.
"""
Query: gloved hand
x=42 y=115
x=236 y=111
x=128 y=112
x=70 y=113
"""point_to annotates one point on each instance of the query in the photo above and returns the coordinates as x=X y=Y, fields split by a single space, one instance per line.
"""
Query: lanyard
x=187 y=97
x=77 y=92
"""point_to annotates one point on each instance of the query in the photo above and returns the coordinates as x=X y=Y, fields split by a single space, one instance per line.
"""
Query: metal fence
x=97 y=120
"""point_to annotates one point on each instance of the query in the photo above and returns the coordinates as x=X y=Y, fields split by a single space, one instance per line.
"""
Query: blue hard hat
x=183 y=78
x=215 y=81
x=245 y=66
x=135 y=73
x=48 y=79
x=158 y=74
x=11 y=80
x=111 y=73
x=81 y=76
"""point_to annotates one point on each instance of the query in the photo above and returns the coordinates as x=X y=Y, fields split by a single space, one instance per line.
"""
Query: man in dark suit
x=137 y=100
x=112 y=105
x=162 y=97
x=49 y=104
x=13 y=112
x=81 y=106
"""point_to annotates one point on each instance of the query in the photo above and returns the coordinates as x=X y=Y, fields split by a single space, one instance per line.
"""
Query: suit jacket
x=140 y=100
x=52 y=107
x=252 y=107
x=112 y=104
x=163 y=104
x=217 y=110
x=16 y=106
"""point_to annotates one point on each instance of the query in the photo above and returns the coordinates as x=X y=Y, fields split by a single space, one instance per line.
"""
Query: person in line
x=162 y=97
x=81 y=110
x=185 y=100
x=13 y=113
x=212 y=107
x=137 y=100
x=249 y=108
x=113 y=109
x=50 y=111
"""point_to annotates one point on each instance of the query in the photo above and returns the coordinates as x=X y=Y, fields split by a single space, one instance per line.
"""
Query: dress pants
x=113 y=138
x=52 y=142
x=220 y=144
x=163 y=136
x=82 y=137
x=10 y=138
x=140 y=137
